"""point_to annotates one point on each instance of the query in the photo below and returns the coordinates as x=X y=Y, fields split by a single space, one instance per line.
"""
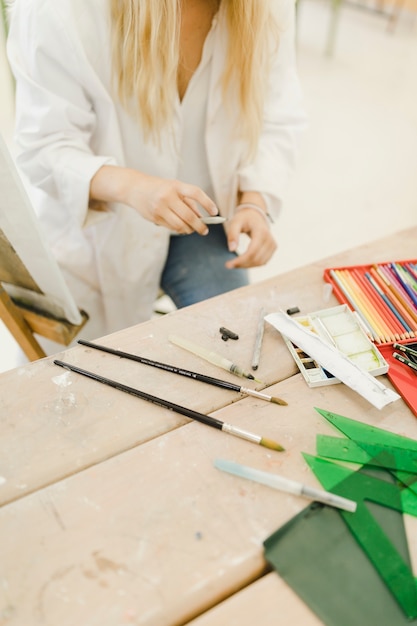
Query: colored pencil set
x=384 y=297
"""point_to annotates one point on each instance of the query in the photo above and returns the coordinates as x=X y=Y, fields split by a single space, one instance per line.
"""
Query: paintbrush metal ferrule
x=245 y=434
x=263 y=396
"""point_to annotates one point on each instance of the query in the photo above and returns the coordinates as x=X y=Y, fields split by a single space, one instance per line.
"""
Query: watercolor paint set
x=340 y=327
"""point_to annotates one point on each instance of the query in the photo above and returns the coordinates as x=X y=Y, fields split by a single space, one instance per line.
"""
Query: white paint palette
x=339 y=327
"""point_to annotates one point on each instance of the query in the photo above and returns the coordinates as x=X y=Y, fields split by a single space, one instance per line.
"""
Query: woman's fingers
x=170 y=203
x=175 y=205
x=261 y=246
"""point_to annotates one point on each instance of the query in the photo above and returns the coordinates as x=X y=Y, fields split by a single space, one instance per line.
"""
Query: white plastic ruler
x=333 y=360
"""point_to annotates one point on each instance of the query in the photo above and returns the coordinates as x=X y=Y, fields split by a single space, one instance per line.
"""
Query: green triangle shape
x=368 y=434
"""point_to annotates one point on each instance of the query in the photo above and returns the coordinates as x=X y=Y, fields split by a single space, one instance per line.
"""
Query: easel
x=34 y=298
x=22 y=320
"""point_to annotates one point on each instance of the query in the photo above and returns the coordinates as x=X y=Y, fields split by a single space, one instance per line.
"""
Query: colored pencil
x=412 y=269
x=384 y=295
x=399 y=294
x=350 y=297
x=409 y=276
x=403 y=280
x=401 y=285
x=396 y=288
x=217 y=382
x=397 y=321
x=378 y=307
x=372 y=314
x=395 y=303
x=195 y=415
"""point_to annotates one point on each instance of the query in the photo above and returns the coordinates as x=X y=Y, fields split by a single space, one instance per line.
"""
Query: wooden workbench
x=111 y=510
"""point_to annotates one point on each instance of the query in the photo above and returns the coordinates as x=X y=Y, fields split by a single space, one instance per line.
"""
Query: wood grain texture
x=112 y=510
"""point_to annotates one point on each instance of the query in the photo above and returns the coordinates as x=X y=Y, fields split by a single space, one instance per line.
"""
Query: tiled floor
x=357 y=174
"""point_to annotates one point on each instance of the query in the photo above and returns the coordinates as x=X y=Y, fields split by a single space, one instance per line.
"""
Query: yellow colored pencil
x=373 y=313
x=352 y=299
x=380 y=335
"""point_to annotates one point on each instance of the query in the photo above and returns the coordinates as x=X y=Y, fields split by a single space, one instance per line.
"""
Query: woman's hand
x=262 y=245
x=169 y=203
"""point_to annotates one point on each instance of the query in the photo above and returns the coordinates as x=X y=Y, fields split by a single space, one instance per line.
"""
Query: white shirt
x=68 y=125
x=192 y=111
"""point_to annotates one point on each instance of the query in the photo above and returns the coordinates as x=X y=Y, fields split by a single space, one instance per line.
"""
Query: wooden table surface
x=112 y=512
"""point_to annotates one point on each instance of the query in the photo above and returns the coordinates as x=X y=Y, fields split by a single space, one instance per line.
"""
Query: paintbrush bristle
x=272 y=445
x=280 y=401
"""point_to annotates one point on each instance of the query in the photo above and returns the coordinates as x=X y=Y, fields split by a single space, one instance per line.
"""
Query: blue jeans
x=194 y=269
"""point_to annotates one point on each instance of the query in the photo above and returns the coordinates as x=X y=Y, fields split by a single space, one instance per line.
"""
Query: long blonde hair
x=145 y=51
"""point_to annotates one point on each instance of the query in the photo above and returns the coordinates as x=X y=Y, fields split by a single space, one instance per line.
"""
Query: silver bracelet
x=250 y=205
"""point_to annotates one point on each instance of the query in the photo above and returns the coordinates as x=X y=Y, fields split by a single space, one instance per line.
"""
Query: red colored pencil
x=368 y=308
x=397 y=290
x=406 y=321
x=390 y=320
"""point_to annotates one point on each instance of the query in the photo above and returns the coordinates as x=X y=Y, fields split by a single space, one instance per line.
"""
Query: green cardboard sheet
x=320 y=559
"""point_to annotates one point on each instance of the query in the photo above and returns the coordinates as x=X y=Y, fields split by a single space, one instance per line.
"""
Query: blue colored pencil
x=403 y=283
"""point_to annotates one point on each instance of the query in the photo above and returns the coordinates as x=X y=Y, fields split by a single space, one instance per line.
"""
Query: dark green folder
x=320 y=559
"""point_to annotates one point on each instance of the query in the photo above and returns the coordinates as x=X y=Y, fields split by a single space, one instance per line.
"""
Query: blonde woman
x=134 y=118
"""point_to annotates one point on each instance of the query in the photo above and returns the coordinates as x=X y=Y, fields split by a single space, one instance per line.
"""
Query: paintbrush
x=195 y=415
x=211 y=357
x=182 y=372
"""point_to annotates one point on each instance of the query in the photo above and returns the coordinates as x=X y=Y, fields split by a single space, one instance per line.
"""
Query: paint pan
x=339 y=327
